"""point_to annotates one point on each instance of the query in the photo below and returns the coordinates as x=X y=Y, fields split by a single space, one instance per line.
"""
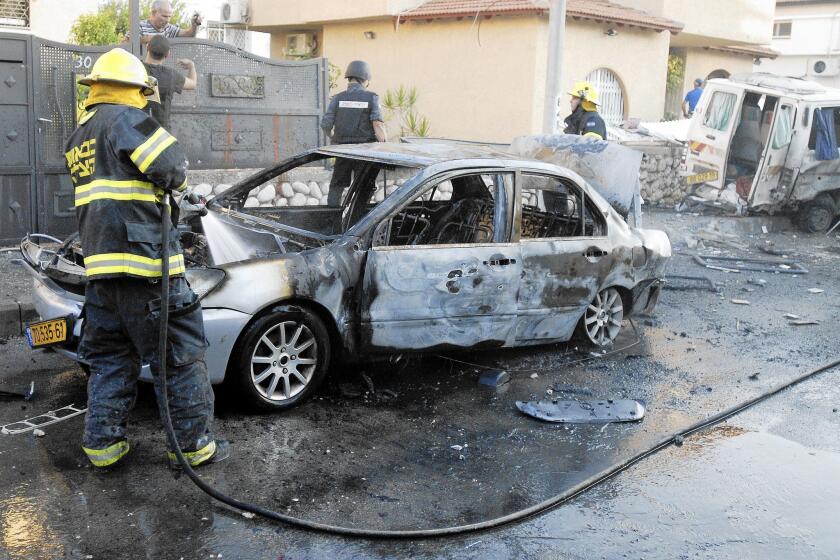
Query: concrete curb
x=13 y=317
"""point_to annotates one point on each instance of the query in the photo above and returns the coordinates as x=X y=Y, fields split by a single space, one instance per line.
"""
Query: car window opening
x=553 y=208
x=749 y=140
x=459 y=210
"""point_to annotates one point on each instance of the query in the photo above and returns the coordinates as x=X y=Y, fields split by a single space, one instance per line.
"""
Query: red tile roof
x=597 y=10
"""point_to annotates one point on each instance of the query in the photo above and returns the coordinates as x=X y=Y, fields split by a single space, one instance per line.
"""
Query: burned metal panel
x=433 y=296
x=17 y=156
x=815 y=176
x=613 y=170
x=560 y=277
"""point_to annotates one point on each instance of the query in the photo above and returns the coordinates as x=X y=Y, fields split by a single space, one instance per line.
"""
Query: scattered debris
x=753 y=377
x=679 y=440
x=494 y=378
x=739 y=264
x=682 y=282
x=791 y=316
x=596 y=411
x=369 y=382
x=815 y=290
x=38 y=432
x=534 y=375
x=757 y=282
x=740 y=301
x=456 y=447
x=46 y=419
x=802 y=322
x=724 y=239
x=389 y=393
x=349 y=390
x=15 y=395
x=248 y=515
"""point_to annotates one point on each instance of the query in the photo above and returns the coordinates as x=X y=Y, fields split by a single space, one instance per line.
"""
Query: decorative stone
x=286 y=190
x=299 y=199
x=282 y=202
x=251 y=202
x=221 y=187
x=203 y=189
x=315 y=190
x=313 y=201
x=323 y=201
x=267 y=193
x=300 y=187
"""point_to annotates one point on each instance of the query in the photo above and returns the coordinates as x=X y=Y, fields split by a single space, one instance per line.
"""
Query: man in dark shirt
x=170 y=81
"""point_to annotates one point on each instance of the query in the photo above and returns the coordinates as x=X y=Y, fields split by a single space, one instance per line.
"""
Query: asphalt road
x=763 y=485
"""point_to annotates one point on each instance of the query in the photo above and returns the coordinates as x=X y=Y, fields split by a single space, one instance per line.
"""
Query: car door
x=566 y=256
x=710 y=133
x=441 y=271
x=764 y=188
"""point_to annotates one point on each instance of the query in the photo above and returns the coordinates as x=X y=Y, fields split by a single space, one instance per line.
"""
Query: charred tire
x=817 y=215
x=601 y=322
x=281 y=359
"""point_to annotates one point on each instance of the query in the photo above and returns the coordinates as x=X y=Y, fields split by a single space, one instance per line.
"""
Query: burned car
x=434 y=247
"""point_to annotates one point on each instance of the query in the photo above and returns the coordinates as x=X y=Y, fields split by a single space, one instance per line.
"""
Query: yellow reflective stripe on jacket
x=195 y=458
x=594 y=134
x=147 y=152
x=126 y=263
x=86 y=116
x=109 y=455
x=107 y=189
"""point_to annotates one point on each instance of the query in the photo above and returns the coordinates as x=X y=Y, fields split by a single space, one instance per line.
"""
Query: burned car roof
x=420 y=154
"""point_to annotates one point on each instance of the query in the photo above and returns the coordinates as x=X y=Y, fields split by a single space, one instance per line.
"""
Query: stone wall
x=661 y=182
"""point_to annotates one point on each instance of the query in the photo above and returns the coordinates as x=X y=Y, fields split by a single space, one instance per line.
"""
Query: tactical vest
x=352 y=117
x=122 y=162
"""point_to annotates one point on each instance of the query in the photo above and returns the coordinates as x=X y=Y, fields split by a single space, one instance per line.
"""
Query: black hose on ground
x=520 y=515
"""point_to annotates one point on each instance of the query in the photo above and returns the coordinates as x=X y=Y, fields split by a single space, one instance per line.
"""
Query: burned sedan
x=433 y=247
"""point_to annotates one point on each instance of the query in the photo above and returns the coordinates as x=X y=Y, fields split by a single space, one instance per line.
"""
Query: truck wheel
x=816 y=216
x=281 y=359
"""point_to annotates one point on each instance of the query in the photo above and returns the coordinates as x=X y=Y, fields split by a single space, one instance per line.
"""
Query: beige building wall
x=699 y=63
x=489 y=91
x=639 y=58
x=267 y=13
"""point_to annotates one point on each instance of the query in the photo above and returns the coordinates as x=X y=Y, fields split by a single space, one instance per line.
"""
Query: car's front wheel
x=601 y=322
x=281 y=359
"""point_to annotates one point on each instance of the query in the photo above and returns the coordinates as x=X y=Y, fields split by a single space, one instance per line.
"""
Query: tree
x=110 y=23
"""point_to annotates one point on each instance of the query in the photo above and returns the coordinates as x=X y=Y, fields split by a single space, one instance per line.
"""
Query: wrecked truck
x=433 y=248
x=768 y=144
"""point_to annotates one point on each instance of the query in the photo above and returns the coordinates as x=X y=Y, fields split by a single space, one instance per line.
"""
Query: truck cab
x=766 y=143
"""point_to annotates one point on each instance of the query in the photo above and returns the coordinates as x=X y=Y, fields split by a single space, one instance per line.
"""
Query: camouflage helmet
x=358 y=69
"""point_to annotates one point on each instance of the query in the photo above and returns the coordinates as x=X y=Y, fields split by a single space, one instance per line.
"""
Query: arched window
x=719 y=73
x=610 y=95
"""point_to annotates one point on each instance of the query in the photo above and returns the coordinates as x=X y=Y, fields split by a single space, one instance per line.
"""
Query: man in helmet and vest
x=353 y=117
x=122 y=163
x=585 y=119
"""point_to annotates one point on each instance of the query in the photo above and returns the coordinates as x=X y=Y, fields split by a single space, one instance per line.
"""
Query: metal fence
x=246 y=111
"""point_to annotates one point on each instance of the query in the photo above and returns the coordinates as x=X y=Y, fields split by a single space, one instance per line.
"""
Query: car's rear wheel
x=601 y=322
x=281 y=359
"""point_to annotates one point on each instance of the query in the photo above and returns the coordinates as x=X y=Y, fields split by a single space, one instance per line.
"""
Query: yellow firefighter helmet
x=120 y=67
x=585 y=91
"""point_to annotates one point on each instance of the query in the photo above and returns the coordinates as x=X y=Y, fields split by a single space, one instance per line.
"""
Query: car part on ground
x=591 y=411
x=681 y=282
x=22 y=396
x=45 y=419
x=738 y=264
x=817 y=215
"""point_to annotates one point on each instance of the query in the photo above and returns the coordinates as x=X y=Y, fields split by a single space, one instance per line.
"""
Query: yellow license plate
x=701 y=177
x=48 y=332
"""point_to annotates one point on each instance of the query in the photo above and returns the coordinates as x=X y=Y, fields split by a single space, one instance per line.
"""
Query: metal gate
x=610 y=95
x=246 y=111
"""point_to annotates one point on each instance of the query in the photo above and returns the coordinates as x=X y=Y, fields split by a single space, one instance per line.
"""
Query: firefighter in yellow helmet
x=585 y=119
x=122 y=163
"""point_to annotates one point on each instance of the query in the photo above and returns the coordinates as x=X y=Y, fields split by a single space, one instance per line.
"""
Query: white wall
x=211 y=10
x=815 y=34
x=51 y=19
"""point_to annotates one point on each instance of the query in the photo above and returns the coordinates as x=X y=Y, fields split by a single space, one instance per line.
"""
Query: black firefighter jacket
x=122 y=162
